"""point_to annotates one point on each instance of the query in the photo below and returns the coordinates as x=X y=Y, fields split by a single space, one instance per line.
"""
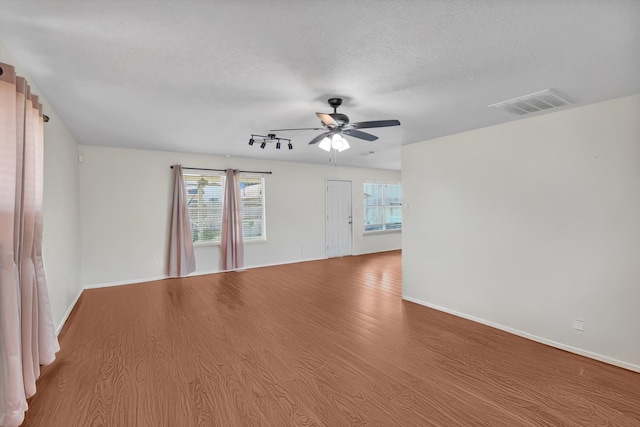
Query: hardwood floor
x=325 y=343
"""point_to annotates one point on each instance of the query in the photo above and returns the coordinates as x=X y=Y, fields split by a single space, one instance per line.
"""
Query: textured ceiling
x=201 y=76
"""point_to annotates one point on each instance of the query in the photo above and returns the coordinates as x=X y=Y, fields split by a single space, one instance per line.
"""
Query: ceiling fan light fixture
x=338 y=143
x=325 y=144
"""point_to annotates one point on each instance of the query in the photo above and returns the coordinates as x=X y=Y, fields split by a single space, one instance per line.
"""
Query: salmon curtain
x=27 y=333
x=181 y=257
x=231 y=242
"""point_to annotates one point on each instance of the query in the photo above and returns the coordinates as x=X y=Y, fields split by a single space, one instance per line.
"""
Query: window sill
x=376 y=232
x=248 y=242
x=199 y=244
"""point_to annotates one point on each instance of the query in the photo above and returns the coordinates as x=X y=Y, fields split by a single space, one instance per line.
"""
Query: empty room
x=330 y=213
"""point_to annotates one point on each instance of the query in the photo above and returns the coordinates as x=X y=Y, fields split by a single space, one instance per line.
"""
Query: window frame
x=204 y=174
x=383 y=206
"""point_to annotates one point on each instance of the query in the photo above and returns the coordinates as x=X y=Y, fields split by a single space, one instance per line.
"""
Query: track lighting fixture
x=263 y=140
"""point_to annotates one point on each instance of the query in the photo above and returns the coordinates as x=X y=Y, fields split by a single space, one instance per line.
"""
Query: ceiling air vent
x=532 y=103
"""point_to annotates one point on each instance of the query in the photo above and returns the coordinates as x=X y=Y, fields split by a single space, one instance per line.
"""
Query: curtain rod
x=224 y=170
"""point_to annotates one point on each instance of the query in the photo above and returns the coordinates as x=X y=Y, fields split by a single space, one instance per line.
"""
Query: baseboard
x=123 y=283
x=281 y=263
x=197 y=273
x=68 y=312
x=571 y=349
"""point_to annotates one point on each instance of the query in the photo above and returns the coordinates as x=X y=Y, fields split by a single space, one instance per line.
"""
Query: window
x=204 y=197
x=382 y=206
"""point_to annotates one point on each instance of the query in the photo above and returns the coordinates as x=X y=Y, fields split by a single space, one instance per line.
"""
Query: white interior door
x=339 y=218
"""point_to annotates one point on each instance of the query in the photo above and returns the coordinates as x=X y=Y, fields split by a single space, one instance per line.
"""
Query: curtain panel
x=182 y=260
x=231 y=240
x=27 y=333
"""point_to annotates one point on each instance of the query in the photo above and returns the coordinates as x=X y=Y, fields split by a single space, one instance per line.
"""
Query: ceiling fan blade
x=327 y=119
x=282 y=130
x=375 y=124
x=361 y=135
x=319 y=138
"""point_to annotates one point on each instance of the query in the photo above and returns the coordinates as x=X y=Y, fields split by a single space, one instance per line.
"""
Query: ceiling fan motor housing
x=341 y=119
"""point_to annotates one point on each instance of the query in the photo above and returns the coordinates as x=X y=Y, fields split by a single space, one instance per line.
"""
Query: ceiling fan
x=336 y=125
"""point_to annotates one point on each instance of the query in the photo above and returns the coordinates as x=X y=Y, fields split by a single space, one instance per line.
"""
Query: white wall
x=533 y=224
x=126 y=198
x=61 y=230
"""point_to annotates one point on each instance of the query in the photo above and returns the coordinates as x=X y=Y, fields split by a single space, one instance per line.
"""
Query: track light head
x=264 y=144
x=290 y=146
x=278 y=145
x=251 y=141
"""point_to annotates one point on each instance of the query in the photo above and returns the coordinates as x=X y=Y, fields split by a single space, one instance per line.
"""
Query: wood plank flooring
x=322 y=343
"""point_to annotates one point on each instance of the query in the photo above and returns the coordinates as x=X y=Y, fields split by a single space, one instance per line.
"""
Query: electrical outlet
x=578 y=325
